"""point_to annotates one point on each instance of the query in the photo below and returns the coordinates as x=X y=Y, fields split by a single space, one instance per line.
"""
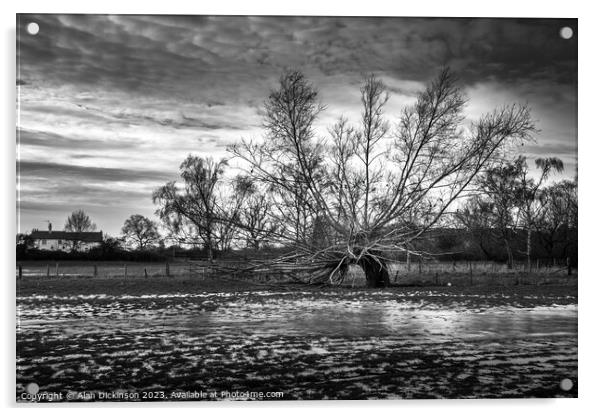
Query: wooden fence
x=126 y=270
x=420 y=272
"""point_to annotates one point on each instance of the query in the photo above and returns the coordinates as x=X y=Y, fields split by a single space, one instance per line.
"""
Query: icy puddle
x=346 y=345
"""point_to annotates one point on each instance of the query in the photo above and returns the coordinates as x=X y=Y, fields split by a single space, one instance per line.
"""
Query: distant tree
x=110 y=245
x=530 y=205
x=476 y=216
x=232 y=197
x=140 y=231
x=79 y=221
x=191 y=212
x=255 y=218
x=559 y=215
x=500 y=185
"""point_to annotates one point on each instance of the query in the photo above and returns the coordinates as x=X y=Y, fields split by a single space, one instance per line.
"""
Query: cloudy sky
x=110 y=105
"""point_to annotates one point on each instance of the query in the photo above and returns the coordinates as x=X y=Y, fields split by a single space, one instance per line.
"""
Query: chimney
x=49 y=227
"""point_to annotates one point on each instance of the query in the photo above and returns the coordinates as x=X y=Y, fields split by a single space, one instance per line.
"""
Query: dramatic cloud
x=48 y=140
x=44 y=170
x=110 y=105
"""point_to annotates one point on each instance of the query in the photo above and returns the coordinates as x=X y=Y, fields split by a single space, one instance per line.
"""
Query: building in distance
x=65 y=240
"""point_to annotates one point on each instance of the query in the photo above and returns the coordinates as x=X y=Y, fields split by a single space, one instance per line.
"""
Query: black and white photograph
x=291 y=207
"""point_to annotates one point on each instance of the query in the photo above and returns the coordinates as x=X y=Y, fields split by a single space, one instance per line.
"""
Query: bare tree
x=559 y=215
x=78 y=222
x=290 y=113
x=365 y=183
x=228 y=215
x=529 y=201
x=140 y=231
x=255 y=220
x=374 y=128
x=477 y=217
x=500 y=186
x=191 y=210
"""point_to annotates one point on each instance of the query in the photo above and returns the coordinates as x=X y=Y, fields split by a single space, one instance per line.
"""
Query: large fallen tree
x=367 y=192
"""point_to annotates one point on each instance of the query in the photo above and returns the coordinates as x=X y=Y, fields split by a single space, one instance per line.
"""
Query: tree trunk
x=488 y=255
x=509 y=252
x=529 y=249
x=377 y=274
x=210 y=251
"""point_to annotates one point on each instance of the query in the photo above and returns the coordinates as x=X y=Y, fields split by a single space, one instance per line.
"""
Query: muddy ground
x=178 y=339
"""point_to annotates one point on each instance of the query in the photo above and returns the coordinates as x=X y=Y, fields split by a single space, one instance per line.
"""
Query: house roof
x=88 y=237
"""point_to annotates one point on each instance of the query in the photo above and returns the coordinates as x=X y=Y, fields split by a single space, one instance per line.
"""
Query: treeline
x=484 y=245
x=513 y=209
x=149 y=254
x=512 y=216
x=441 y=244
x=96 y=254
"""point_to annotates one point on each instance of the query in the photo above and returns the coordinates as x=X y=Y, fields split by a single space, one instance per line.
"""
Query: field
x=106 y=269
x=428 y=273
x=211 y=339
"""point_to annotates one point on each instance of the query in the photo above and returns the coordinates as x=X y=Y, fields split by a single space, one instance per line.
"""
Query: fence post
x=48 y=270
x=145 y=274
x=95 y=270
x=20 y=272
x=470 y=268
x=167 y=268
x=568 y=266
x=125 y=271
x=57 y=269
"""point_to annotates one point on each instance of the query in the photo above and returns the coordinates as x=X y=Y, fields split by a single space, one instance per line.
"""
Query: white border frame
x=589 y=194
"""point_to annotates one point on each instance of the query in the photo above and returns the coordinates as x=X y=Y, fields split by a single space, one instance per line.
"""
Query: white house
x=65 y=240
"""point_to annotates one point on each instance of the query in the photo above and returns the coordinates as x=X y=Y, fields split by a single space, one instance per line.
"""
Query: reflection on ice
x=359 y=344
x=302 y=314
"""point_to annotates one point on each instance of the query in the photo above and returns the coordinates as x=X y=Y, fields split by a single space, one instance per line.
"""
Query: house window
x=43 y=242
x=60 y=241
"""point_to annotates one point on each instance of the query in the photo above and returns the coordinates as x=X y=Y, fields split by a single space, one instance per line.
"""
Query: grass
x=426 y=274
x=468 y=274
x=182 y=285
x=105 y=269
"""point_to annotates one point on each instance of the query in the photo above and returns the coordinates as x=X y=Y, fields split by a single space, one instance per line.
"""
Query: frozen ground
x=308 y=344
